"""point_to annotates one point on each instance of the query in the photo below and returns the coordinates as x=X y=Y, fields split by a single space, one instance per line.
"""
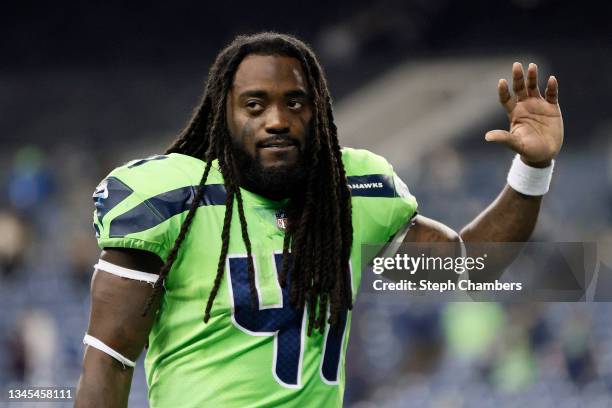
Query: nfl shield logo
x=281 y=219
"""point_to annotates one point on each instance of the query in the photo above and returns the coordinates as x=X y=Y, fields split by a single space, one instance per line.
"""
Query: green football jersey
x=241 y=357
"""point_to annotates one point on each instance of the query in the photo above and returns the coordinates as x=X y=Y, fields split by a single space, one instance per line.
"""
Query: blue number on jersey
x=285 y=323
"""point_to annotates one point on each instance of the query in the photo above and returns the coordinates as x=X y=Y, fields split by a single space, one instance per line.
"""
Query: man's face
x=268 y=117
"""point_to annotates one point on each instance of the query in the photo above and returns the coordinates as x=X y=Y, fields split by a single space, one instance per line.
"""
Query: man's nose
x=277 y=121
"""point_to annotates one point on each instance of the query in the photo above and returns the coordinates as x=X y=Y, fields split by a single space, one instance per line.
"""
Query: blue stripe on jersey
x=158 y=209
x=97 y=230
x=372 y=185
x=108 y=194
x=148 y=159
x=163 y=206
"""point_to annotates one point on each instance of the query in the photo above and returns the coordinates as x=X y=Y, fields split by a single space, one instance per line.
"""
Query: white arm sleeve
x=95 y=343
x=125 y=272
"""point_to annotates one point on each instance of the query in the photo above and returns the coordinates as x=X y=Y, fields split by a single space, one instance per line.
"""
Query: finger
x=505 y=98
x=552 y=90
x=532 y=80
x=518 y=81
x=505 y=138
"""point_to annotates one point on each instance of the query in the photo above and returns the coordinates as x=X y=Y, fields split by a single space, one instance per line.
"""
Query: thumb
x=503 y=137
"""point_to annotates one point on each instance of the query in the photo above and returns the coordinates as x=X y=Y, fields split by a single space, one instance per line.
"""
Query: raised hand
x=536 y=125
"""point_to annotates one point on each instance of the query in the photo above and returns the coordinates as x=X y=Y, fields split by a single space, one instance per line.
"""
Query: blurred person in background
x=34 y=348
x=13 y=242
x=30 y=181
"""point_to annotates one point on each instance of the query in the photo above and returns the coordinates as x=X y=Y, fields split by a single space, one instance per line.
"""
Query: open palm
x=536 y=125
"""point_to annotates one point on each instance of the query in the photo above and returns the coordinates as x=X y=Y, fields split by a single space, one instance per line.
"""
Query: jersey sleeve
x=404 y=207
x=132 y=210
x=382 y=203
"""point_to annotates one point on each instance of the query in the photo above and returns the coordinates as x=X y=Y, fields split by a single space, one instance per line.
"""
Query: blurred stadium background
x=86 y=87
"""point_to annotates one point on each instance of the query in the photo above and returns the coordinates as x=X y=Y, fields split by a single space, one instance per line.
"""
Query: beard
x=276 y=182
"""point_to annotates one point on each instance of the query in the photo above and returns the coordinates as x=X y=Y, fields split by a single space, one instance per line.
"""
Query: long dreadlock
x=319 y=233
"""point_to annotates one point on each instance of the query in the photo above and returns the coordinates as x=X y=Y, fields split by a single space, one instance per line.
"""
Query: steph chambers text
x=429 y=286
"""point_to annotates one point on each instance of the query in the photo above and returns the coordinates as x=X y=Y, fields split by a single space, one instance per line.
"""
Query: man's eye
x=254 y=106
x=295 y=104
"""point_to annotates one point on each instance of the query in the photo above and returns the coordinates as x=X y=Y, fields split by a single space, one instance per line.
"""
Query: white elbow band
x=125 y=272
x=529 y=180
x=95 y=343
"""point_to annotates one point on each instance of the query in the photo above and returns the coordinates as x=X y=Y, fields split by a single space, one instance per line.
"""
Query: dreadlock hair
x=319 y=231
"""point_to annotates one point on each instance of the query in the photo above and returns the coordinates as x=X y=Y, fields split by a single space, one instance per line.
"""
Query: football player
x=234 y=257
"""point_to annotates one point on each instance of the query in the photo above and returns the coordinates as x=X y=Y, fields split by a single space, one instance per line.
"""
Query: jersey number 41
x=285 y=323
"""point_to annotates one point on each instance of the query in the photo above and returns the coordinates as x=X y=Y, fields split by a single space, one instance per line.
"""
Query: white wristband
x=529 y=180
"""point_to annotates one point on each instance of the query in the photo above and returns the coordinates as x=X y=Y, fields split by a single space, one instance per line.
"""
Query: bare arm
x=425 y=229
x=115 y=319
x=510 y=218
